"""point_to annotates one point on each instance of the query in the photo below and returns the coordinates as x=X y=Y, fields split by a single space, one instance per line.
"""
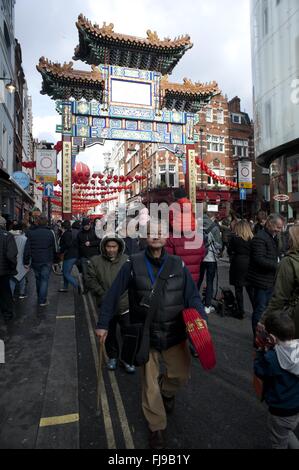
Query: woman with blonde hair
x=239 y=253
x=286 y=289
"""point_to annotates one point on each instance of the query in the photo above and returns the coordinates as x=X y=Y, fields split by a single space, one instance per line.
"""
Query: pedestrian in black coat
x=8 y=265
x=264 y=259
x=239 y=253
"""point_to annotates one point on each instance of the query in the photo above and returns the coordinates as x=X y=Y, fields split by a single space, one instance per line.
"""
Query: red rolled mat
x=200 y=337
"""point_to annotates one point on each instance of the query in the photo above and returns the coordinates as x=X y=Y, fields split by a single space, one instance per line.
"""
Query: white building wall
x=275 y=56
x=7 y=43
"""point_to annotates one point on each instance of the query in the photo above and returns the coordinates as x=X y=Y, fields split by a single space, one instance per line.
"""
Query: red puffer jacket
x=183 y=219
x=192 y=257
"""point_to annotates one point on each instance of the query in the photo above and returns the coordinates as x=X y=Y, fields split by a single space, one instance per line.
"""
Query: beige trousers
x=177 y=361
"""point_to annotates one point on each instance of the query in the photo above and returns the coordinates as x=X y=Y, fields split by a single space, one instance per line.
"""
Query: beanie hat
x=85 y=222
x=2 y=222
x=180 y=193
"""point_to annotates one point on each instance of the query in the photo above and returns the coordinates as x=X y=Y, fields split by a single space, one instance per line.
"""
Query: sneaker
x=129 y=369
x=157 y=440
x=209 y=310
x=22 y=297
x=112 y=364
x=63 y=291
x=44 y=305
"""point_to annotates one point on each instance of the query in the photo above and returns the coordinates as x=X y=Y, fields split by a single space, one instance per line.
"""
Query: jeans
x=22 y=286
x=261 y=299
x=42 y=274
x=211 y=269
x=112 y=341
x=67 y=273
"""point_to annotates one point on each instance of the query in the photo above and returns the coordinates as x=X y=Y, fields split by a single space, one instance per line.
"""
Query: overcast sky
x=219 y=29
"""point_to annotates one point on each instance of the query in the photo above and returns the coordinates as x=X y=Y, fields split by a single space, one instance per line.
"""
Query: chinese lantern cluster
x=81 y=173
x=219 y=179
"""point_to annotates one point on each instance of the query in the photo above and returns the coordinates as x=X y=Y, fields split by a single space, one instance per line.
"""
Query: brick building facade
x=225 y=135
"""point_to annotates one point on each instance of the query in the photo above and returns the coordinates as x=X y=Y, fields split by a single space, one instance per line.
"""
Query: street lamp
x=10 y=86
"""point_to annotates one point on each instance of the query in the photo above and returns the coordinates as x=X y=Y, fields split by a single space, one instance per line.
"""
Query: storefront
x=285 y=182
x=15 y=202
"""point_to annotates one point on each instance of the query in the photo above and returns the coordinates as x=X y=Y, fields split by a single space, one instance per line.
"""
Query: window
x=172 y=168
x=236 y=118
x=215 y=143
x=266 y=192
x=162 y=171
x=5 y=144
x=217 y=172
x=171 y=180
x=220 y=116
x=7 y=37
x=163 y=178
x=240 y=148
x=268 y=118
x=265 y=18
x=209 y=115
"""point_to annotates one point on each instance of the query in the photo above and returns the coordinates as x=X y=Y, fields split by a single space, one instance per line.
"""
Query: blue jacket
x=281 y=388
x=125 y=281
x=40 y=247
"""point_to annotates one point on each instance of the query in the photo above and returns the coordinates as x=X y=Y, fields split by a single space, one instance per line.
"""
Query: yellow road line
x=117 y=395
x=103 y=395
x=59 y=420
x=70 y=317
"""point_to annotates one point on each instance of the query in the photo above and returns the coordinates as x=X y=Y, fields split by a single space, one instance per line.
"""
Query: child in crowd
x=278 y=368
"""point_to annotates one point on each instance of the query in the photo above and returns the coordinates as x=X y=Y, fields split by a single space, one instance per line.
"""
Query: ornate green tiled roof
x=104 y=46
x=62 y=82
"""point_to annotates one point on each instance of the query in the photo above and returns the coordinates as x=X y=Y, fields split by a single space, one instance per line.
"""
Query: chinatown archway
x=126 y=96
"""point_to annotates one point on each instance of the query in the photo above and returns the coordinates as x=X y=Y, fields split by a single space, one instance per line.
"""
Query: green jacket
x=102 y=271
x=286 y=290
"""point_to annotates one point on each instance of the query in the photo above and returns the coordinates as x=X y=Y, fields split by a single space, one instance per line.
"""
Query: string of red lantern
x=29 y=165
x=213 y=175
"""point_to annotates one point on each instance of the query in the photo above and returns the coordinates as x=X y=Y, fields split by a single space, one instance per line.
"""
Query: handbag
x=136 y=336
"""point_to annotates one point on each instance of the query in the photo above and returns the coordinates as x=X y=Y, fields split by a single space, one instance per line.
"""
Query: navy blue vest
x=167 y=328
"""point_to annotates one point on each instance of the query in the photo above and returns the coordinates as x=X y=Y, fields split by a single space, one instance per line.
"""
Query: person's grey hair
x=274 y=218
x=2 y=222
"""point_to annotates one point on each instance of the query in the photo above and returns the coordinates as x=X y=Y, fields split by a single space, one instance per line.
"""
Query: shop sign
x=245 y=174
x=22 y=179
x=46 y=165
x=281 y=198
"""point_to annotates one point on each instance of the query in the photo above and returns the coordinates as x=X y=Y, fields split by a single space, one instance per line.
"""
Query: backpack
x=208 y=243
x=206 y=233
x=227 y=305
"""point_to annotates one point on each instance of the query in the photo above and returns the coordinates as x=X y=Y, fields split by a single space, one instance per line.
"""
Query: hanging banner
x=245 y=174
x=67 y=178
x=46 y=165
x=191 y=174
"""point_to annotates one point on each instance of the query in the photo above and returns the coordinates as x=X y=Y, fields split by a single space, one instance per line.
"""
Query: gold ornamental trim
x=152 y=39
x=66 y=71
x=190 y=88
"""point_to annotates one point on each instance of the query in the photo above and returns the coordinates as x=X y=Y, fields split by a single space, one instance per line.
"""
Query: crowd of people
x=126 y=275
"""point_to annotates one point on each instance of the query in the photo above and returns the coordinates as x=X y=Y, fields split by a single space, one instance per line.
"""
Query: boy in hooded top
x=278 y=368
